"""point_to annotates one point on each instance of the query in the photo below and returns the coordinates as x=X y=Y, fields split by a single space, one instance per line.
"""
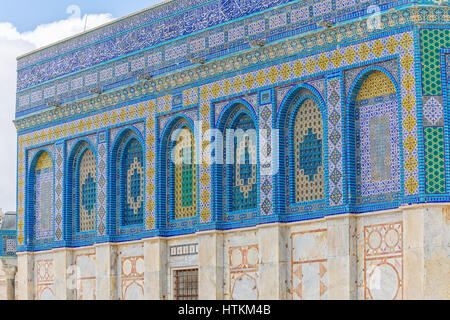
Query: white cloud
x=62 y=29
x=13 y=44
x=46 y=34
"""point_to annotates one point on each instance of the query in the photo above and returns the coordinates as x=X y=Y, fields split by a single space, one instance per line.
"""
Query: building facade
x=8 y=258
x=340 y=189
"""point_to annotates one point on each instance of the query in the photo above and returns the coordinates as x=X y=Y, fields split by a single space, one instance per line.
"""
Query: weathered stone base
x=399 y=254
x=8 y=282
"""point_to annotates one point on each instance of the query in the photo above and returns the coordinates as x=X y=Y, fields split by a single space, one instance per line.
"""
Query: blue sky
x=25 y=15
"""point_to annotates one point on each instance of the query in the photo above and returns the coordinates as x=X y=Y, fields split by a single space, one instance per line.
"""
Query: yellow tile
x=323 y=62
x=285 y=71
x=310 y=65
x=411 y=185
x=392 y=45
x=377 y=48
x=410 y=143
x=407 y=61
x=237 y=84
x=298 y=68
x=273 y=75
x=411 y=164
x=350 y=55
x=408 y=82
x=261 y=78
x=363 y=52
x=409 y=123
x=409 y=102
x=215 y=90
x=249 y=81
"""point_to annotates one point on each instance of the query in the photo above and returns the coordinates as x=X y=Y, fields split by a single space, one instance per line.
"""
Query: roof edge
x=93 y=29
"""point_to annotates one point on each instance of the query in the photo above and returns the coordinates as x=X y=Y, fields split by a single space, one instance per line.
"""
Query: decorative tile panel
x=185 y=175
x=43 y=199
x=308 y=153
x=102 y=153
x=432 y=40
x=377 y=139
x=336 y=152
x=261 y=77
x=205 y=187
x=434 y=160
x=132 y=184
x=70 y=63
x=87 y=193
x=59 y=191
x=244 y=174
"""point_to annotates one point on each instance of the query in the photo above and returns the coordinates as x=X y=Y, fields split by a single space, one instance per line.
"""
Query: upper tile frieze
x=157 y=25
x=168 y=22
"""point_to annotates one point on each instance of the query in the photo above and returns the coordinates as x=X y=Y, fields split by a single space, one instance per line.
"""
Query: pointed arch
x=306 y=150
x=82 y=189
x=41 y=200
x=303 y=143
x=184 y=174
x=237 y=174
x=374 y=138
x=178 y=170
x=127 y=181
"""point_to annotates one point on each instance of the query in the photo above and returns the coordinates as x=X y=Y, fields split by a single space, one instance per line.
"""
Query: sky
x=26 y=25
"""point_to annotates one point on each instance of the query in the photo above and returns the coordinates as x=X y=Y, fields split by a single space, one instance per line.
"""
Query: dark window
x=186 y=284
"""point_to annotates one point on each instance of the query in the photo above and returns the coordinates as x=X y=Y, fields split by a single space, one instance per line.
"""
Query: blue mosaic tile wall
x=238 y=176
x=244 y=172
x=132 y=184
x=358 y=132
x=41 y=196
x=184 y=174
x=82 y=198
x=76 y=224
x=377 y=141
x=306 y=149
x=303 y=150
x=127 y=189
x=57 y=73
x=179 y=179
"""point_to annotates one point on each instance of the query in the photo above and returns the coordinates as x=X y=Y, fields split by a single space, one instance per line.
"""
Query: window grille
x=186 y=284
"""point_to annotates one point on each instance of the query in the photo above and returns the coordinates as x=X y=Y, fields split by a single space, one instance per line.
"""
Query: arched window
x=307 y=152
x=377 y=150
x=238 y=176
x=130 y=185
x=184 y=173
x=177 y=170
x=244 y=172
x=43 y=197
x=301 y=184
x=84 y=186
